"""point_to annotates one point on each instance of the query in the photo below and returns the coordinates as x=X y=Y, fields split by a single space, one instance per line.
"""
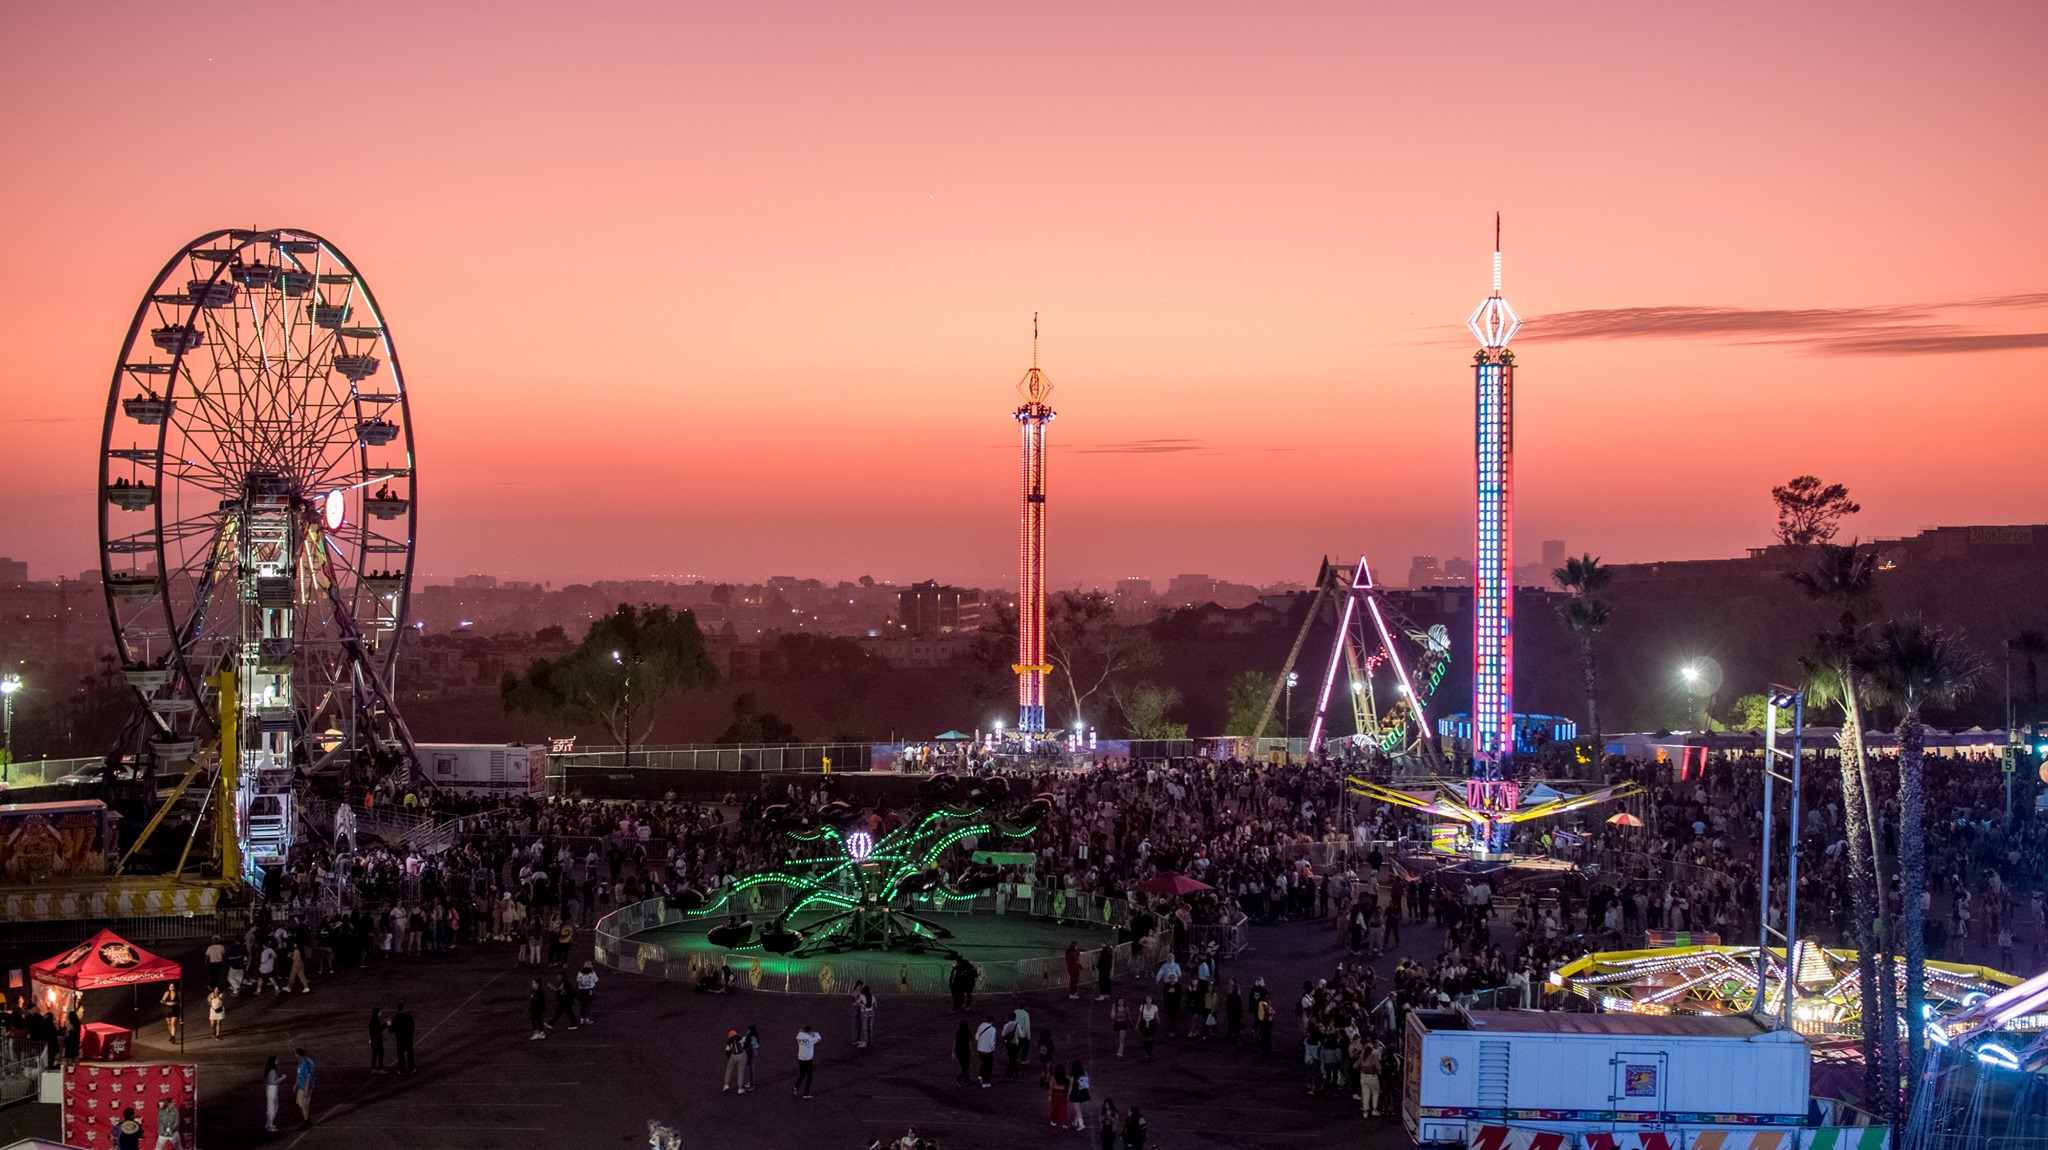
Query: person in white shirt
x=985 y=1046
x=807 y=1041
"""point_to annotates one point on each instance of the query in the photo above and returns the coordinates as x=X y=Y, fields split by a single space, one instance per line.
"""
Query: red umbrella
x=1173 y=883
x=1624 y=819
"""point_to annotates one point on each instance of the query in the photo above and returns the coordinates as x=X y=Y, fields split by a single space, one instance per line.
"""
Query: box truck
x=1587 y=1073
x=486 y=768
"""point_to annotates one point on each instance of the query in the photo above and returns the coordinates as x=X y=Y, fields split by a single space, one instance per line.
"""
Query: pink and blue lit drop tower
x=1031 y=666
x=1494 y=323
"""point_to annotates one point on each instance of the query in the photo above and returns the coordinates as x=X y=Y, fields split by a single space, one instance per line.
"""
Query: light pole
x=9 y=684
x=621 y=661
x=1287 y=724
x=1778 y=699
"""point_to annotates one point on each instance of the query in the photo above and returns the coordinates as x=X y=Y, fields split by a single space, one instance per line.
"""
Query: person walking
x=963 y=1049
x=401 y=1038
x=298 y=976
x=216 y=962
x=961 y=983
x=1056 y=1115
x=216 y=1010
x=1120 y=1022
x=565 y=999
x=266 y=970
x=807 y=1041
x=1233 y=1013
x=735 y=1063
x=586 y=990
x=1105 y=970
x=302 y=1088
x=273 y=1079
x=537 y=1010
x=1369 y=1081
x=751 y=1046
x=1077 y=1095
x=1106 y=1125
x=1262 y=1018
x=1045 y=1060
x=128 y=1131
x=1073 y=970
x=377 y=1028
x=1148 y=1025
x=173 y=1007
x=1135 y=1129
x=985 y=1046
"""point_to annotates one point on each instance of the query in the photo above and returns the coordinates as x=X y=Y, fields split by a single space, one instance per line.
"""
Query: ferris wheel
x=256 y=520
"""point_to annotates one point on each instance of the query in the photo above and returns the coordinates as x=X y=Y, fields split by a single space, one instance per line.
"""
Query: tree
x=627 y=663
x=1090 y=651
x=1910 y=667
x=1846 y=578
x=1585 y=613
x=1810 y=511
x=1144 y=709
x=2031 y=645
x=1750 y=712
x=753 y=726
x=1246 y=703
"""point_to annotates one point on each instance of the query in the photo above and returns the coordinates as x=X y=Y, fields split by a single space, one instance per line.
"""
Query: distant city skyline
x=738 y=291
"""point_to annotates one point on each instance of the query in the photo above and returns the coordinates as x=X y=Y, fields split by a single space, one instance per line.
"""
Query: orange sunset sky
x=735 y=290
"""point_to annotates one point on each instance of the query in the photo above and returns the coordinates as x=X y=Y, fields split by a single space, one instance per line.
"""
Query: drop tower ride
x=1494 y=323
x=1031 y=666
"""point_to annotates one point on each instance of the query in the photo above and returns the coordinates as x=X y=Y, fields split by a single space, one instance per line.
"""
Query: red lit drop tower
x=1031 y=666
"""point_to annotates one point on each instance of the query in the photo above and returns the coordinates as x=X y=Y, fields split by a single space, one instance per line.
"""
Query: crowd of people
x=1270 y=843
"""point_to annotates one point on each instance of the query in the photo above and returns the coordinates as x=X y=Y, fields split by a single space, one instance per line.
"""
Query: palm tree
x=1910 y=667
x=1847 y=578
x=1585 y=613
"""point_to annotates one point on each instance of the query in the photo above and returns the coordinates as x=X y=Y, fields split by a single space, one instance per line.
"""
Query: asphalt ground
x=654 y=1051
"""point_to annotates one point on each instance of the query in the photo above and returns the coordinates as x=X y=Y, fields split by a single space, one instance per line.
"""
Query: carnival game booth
x=104 y=961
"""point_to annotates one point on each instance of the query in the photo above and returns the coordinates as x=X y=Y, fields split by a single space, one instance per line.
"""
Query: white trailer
x=486 y=768
x=1586 y=1073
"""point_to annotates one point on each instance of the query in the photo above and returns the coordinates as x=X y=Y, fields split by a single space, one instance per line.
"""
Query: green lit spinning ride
x=871 y=882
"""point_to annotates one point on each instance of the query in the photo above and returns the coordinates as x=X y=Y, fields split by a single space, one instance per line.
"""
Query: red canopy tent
x=106 y=959
x=1173 y=883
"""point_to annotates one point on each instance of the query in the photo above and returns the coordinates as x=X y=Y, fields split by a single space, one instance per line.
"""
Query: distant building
x=1195 y=590
x=1457 y=570
x=928 y=608
x=1133 y=589
x=476 y=582
x=919 y=653
x=13 y=571
x=1553 y=553
x=1425 y=571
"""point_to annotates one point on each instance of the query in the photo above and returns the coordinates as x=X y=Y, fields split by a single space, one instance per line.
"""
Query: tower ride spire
x=1031 y=666
x=1494 y=323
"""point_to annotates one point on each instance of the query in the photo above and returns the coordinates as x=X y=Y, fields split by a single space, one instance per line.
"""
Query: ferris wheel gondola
x=257 y=515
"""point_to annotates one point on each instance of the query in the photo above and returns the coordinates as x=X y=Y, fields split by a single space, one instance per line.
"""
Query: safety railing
x=21 y=1065
x=43 y=772
x=813 y=758
x=618 y=946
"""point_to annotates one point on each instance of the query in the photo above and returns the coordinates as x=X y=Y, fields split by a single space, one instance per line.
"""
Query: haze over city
x=741 y=292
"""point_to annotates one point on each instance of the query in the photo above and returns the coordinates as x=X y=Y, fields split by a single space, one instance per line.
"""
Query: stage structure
x=867 y=881
x=1487 y=808
x=1031 y=666
x=1363 y=654
x=256 y=530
